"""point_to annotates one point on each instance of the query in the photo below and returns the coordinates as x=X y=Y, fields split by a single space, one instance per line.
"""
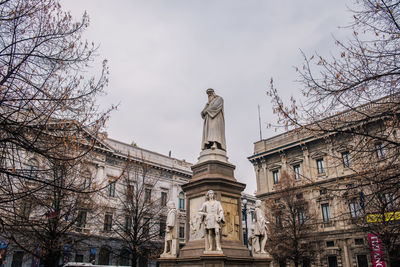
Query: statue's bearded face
x=211 y=96
x=211 y=195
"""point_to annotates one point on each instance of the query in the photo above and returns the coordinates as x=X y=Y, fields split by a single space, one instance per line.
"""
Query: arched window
x=32 y=167
x=181 y=201
x=104 y=255
x=124 y=257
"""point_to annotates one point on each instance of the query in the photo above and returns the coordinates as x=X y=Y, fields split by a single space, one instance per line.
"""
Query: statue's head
x=210 y=92
x=258 y=203
x=210 y=194
x=171 y=205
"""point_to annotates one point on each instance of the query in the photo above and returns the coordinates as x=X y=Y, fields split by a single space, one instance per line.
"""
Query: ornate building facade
x=326 y=174
x=96 y=224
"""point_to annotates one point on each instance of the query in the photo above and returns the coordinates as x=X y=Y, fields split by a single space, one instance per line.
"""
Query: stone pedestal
x=214 y=171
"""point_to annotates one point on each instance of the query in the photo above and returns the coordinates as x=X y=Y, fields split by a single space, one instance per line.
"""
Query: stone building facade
x=317 y=168
x=100 y=245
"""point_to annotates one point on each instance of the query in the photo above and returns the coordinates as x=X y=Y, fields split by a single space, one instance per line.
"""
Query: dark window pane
x=326 y=212
x=275 y=175
x=362 y=261
x=17 y=259
x=332 y=261
x=320 y=166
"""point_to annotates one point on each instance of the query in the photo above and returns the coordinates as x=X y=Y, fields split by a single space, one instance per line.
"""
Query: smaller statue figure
x=171 y=246
x=212 y=216
x=259 y=236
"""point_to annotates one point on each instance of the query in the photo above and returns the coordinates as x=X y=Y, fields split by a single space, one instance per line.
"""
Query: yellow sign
x=389 y=216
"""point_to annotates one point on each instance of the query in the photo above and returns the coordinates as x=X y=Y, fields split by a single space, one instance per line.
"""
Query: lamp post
x=244 y=201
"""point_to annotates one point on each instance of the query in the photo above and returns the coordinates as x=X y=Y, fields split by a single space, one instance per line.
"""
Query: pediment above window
x=295 y=161
x=319 y=154
x=274 y=167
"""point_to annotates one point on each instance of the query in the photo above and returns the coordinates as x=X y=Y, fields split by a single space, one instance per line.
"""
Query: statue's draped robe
x=171 y=225
x=214 y=123
x=212 y=210
x=260 y=225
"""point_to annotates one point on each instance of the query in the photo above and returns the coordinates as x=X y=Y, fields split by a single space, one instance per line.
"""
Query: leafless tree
x=352 y=102
x=50 y=219
x=47 y=98
x=292 y=223
x=140 y=221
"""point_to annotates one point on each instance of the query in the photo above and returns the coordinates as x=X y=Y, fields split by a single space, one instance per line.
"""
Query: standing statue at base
x=259 y=237
x=213 y=216
x=214 y=122
x=171 y=237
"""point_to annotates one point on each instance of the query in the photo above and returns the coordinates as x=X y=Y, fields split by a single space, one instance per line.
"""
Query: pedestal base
x=215 y=261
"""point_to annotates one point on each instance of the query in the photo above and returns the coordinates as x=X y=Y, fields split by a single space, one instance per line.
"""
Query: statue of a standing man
x=214 y=122
x=260 y=229
x=213 y=216
x=171 y=245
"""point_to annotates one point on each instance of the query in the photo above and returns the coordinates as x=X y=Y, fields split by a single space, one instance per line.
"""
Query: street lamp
x=244 y=201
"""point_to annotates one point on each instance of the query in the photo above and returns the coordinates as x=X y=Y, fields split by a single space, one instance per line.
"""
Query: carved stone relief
x=230 y=231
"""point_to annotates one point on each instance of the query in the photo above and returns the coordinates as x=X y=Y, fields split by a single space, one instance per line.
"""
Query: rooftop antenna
x=259 y=121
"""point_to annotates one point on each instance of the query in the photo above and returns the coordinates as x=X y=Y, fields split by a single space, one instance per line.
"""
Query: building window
x=32 y=168
x=111 y=189
x=147 y=195
x=275 y=175
x=332 y=261
x=181 y=230
x=330 y=243
x=86 y=180
x=359 y=241
x=362 y=261
x=323 y=191
x=301 y=217
x=124 y=257
x=127 y=224
x=326 y=215
x=278 y=221
x=162 y=228
x=107 y=222
x=346 y=159
x=354 y=209
x=380 y=151
x=164 y=199
x=17 y=259
x=130 y=190
x=253 y=216
x=320 y=166
x=306 y=262
x=181 y=201
x=296 y=169
x=145 y=228
x=104 y=256
x=81 y=219
x=389 y=201
x=26 y=209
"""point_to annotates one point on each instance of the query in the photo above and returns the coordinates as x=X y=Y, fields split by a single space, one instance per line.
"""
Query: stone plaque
x=230 y=231
x=196 y=227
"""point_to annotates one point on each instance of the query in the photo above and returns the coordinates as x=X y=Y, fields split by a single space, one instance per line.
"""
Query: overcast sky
x=164 y=54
